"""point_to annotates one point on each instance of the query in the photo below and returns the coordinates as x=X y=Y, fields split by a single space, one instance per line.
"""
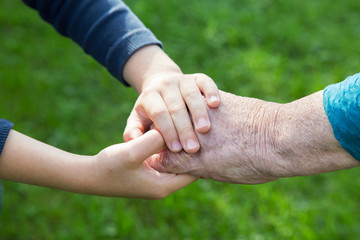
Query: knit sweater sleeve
x=5 y=127
x=106 y=29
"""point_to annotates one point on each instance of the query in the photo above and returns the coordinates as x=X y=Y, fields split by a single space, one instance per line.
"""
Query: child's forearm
x=30 y=161
x=119 y=170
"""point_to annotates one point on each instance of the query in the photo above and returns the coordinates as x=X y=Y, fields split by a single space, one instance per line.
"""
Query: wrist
x=267 y=138
x=256 y=131
x=91 y=176
x=146 y=64
x=83 y=178
x=101 y=176
x=306 y=143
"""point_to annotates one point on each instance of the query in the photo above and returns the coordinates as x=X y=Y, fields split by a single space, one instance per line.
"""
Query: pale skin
x=253 y=141
x=121 y=170
x=165 y=94
x=118 y=170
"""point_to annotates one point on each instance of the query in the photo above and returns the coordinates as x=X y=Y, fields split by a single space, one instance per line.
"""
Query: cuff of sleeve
x=124 y=48
x=5 y=127
x=342 y=106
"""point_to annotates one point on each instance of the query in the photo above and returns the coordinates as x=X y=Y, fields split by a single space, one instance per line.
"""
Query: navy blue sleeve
x=106 y=29
x=5 y=127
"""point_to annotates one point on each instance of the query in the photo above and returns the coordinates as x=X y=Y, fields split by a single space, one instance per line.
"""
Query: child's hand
x=167 y=100
x=122 y=170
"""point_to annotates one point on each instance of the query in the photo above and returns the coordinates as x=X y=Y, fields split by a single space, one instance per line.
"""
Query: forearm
x=306 y=144
x=147 y=63
x=29 y=161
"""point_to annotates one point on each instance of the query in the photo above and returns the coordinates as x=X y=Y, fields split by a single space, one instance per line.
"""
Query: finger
x=181 y=119
x=196 y=104
x=144 y=146
x=209 y=89
x=157 y=111
x=136 y=125
x=132 y=134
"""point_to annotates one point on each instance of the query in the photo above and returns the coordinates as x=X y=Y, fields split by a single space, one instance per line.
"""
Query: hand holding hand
x=121 y=170
x=167 y=96
x=118 y=171
x=236 y=149
x=253 y=141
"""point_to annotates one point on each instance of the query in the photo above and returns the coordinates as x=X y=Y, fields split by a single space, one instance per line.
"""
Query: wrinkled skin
x=235 y=148
x=252 y=141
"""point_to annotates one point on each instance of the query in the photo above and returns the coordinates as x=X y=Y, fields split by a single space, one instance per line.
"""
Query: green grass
x=273 y=50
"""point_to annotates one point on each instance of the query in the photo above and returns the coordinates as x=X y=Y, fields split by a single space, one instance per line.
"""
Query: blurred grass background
x=273 y=50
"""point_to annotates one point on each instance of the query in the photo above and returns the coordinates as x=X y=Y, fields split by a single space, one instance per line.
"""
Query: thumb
x=146 y=145
x=136 y=125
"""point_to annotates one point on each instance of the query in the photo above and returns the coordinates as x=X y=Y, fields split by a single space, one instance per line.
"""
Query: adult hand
x=253 y=141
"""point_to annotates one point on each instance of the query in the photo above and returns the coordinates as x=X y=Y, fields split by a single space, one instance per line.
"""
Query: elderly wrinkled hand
x=253 y=141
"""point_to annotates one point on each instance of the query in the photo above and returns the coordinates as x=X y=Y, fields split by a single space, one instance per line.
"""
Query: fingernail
x=191 y=144
x=176 y=146
x=214 y=99
x=202 y=123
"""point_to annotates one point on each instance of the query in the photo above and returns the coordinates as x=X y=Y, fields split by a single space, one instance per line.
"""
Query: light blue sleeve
x=342 y=106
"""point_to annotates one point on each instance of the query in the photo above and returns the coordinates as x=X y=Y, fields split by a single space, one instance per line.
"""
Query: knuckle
x=130 y=120
x=188 y=130
x=199 y=108
x=147 y=94
x=168 y=81
x=203 y=79
x=177 y=109
x=158 y=112
x=190 y=93
x=126 y=136
x=201 y=76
